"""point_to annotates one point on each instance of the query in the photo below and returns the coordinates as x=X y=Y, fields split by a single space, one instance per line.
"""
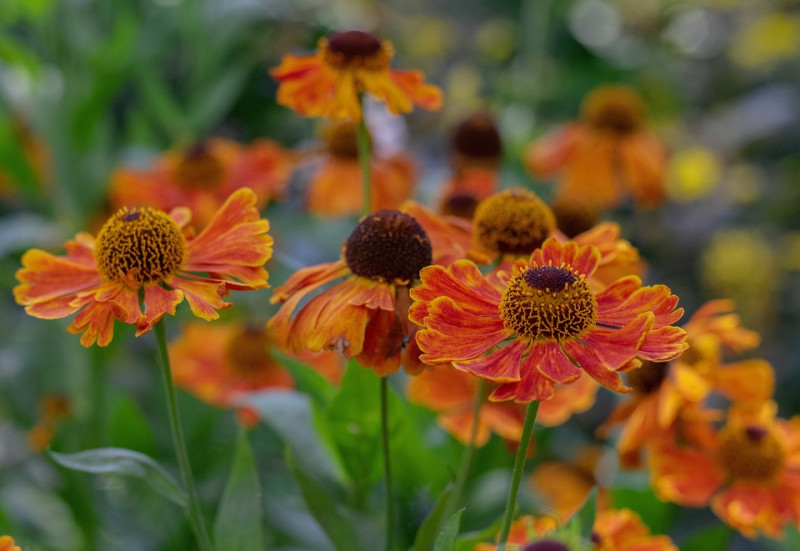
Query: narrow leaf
x=426 y=535
x=447 y=537
x=127 y=463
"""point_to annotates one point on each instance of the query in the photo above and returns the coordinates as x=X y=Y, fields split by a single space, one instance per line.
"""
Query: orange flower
x=335 y=188
x=557 y=326
x=366 y=312
x=607 y=156
x=669 y=393
x=219 y=362
x=7 y=544
x=623 y=530
x=53 y=409
x=142 y=254
x=450 y=237
x=347 y=64
x=523 y=530
x=568 y=399
x=203 y=176
x=749 y=472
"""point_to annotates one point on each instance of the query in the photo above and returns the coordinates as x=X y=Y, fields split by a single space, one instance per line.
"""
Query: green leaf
x=331 y=516
x=426 y=535
x=655 y=513
x=715 y=537
x=584 y=518
x=130 y=428
x=127 y=463
x=237 y=526
x=307 y=379
x=446 y=541
x=469 y=540
x=212 y=103
x=289 y=414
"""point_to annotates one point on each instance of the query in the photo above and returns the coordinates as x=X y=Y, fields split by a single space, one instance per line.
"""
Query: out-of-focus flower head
x=692 y=174
x=748 y=472
x=366 y=312
x=203 y=176
x=35 y=153
x=573 y=215
x=221 y=361
x=144 y=254
x=605 y=157
x=335 y=189
x=7 y=544
x=53 y=409
x=556 y=326
x=346 y=65
x=771 y=38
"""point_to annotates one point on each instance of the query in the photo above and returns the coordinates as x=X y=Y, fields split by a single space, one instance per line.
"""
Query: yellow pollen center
x=355 y=50
x=199 y=169
x=139 y=245
x=548 y=303
x=515 y=222
x=248 y=352
x=616 y=108
x=750 y=454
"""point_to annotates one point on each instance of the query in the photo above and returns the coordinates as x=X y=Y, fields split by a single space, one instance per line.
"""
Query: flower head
x=144 y=252
x=219 y=362
x=335 y=188
x=202 y=177
x=555 y=325
x=512 y=222
x=366 y=312
x=347 y=64
x=7 y=544
x=748 y=472
x=606 y=156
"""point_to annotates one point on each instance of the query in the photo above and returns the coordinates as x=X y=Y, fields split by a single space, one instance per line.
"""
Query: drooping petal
x=643 y=163
x=532 y=384
x=412 y=85
x=383 y=342
x=684 y=476
x=204 y=297
x=555 y=365
x=502 y=365
x=617 y=347
x=592 y=364
x=159 y=301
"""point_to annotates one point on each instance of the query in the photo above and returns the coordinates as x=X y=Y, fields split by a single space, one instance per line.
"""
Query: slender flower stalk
x=519 y=468
x=193 y=509
x=364 y=154
x=387 y=463
x=469 y=452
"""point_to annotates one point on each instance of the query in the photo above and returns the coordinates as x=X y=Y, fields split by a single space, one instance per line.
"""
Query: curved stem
x=364 y=155
x=469 y=452
x=176 y=429
x=387 y=464
x=519 y=468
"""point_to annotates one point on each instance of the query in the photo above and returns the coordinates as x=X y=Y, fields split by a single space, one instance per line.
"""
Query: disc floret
x=513 y=222
x=750 y=454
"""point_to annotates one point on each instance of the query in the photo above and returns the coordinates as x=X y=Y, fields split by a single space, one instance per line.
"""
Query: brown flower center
x=462 y=205
x=477 y=137
x=388 y=245
x=139 y=245
x=750 y=454
x=616 y=108
x=513 y=222
x=648 y=378
x=199 y=168
x=341 y=140
x=355 y=49
x=546 y=545
x=574 y=217
x=248 y=351
x=548 y=303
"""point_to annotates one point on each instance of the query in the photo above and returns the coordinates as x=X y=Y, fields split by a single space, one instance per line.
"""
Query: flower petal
x=501 y=365
x=532 y=385
x=555 y=365
x=159 y=301
x=616 y=347
x=592 y=364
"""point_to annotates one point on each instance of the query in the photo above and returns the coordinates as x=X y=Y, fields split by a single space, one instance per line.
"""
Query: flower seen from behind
x=541 y=324
x=142 y=264
x=347 y=64
x=366 y=312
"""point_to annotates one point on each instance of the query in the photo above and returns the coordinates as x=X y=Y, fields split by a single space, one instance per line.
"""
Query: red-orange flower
x=607 y=156
x=335 y=189
x=7 y=544
x=366 y=313
x=143 y=253
x=203 y=176
x=669 y=393
x=749 y=472
x=219 y=362
x=347 y=64
x=523 y=530
x=557 y=327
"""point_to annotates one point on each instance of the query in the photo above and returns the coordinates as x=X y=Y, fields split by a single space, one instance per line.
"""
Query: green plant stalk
x=364 y=155
x=193 y=509
x=387 y=464
x=516 y=477
x=469 y=452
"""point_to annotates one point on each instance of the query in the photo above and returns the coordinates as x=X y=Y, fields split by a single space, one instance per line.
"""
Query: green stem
x=519 y=468
x=193 y=509
x=469 y=453
x=387 y=464
x=364 y=155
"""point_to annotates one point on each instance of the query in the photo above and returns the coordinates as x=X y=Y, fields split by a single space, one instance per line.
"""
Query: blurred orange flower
x=335 y=189
x=203 y=176
x=366 y=312
x=557 y=326
x=144 y=254
x=7 y=544
x=219 y=362
x=347 y=64
x=749 y=471
x=523 y=530
x=53 y=409
x=451 y=237
x=606 y=156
